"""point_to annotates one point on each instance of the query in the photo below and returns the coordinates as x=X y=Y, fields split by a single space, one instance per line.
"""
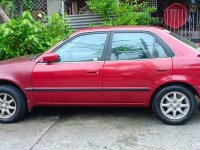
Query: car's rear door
x=136 y=62
x=77 y=78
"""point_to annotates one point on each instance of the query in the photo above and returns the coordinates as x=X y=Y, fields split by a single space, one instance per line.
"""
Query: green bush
x=25 y=35
x=102 y=7
x=124 y=13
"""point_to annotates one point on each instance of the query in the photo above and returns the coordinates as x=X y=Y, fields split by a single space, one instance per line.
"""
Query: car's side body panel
x=19 y=74
x=132 y=81
x=78 y=82
x=123 y=83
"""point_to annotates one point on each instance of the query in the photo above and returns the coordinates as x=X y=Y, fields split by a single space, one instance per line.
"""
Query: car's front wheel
x=12 y=104
x=174 y=105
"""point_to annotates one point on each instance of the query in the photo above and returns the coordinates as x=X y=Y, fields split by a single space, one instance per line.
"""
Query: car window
x=184 y=40
x=87 y=47
x=129 y=46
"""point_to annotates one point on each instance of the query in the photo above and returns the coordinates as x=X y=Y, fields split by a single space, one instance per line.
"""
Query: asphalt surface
x=98 y=129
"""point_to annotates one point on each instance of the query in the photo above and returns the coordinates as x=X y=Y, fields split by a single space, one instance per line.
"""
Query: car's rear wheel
x=174 y=105
x=12 y=104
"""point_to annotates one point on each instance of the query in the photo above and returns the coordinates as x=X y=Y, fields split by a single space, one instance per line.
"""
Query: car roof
x=118 y=28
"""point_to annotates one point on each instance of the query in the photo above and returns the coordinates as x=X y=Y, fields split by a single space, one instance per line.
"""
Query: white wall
x=53 y=6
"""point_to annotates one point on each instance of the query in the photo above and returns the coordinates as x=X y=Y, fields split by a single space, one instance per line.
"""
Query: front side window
x=130 y=46
x=87 y=47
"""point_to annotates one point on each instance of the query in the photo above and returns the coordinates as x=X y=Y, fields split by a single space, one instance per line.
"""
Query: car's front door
x=136 y=62
x=77 y=78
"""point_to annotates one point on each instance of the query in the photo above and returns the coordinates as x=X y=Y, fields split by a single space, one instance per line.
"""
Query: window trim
x=103 y=55
x=165 y=47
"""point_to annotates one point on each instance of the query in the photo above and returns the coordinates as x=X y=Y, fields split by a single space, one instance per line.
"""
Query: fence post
x=62 y=8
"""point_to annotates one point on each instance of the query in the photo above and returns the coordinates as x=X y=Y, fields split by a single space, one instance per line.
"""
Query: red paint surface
x=48 y=58
x=68 y=75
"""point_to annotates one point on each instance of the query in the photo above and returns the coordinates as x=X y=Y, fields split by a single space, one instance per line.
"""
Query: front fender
x=20 y=75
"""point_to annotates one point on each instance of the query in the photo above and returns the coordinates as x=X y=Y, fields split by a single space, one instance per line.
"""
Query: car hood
x=18 y=59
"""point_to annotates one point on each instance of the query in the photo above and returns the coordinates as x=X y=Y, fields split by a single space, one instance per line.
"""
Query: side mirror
x=198 y=44
x=51 y=57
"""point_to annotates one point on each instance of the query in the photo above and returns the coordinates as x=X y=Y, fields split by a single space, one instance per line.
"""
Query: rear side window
x=130 y=46
x=184 y=40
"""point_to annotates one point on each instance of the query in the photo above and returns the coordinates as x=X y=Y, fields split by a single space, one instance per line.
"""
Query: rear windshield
x=184 y=40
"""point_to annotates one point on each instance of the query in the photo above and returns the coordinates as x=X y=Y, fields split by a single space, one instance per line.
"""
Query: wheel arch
x=188 y=86
x=7 y=82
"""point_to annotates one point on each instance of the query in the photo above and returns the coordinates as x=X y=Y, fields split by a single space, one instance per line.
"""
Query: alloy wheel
x=7 y=106
x=175 y=105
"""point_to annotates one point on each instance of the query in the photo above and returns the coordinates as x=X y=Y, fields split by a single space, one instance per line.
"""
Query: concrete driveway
x=96 y=129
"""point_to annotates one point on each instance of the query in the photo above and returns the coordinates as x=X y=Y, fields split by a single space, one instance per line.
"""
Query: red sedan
x=111 y=66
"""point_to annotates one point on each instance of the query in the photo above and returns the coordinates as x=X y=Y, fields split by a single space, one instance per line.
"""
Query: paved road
x=98 y=129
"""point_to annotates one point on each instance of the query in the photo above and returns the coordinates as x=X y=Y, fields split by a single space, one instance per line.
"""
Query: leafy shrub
x=102 y=7
x=25 y=35
x=11 y=7
x=124 y=13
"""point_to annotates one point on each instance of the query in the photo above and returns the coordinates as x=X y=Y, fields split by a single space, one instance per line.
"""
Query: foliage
x=7 y=5
x=4 y=2
x=25 y=35
x=102 y=7
x=14 y=8
x=124 y=13
x=25 y=3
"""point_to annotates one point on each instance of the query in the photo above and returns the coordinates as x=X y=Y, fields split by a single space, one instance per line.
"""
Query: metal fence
x=84 y=20
x=190 y=29
x=153 y=3
x=183 y=20
x=45 y=7
x=77 y=9
x=71 y=7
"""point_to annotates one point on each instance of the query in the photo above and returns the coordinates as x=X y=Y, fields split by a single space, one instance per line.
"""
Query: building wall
x=53 y=6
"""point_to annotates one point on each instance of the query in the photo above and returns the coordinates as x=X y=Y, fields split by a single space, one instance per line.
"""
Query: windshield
x=36 y=56
x=184 y=40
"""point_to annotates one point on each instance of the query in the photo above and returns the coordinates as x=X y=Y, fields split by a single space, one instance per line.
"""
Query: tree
x=3 y=4
x=3 y=15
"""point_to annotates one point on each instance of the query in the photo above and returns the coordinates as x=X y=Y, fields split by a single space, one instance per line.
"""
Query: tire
x=174 y=109
x=12 y=103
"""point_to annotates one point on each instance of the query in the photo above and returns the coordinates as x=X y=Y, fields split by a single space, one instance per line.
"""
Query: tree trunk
x=3 y=15
x=74 y=7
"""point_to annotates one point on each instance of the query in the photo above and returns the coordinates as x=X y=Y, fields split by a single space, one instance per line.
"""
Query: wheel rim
x=7 y=106
x=175 y=105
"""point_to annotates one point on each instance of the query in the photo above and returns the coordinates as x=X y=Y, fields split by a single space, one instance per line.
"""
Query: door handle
x=92 y=72
x=161 y=70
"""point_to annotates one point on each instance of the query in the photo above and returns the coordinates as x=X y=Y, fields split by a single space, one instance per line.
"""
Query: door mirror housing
x=50 y=57
x=198 y=44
